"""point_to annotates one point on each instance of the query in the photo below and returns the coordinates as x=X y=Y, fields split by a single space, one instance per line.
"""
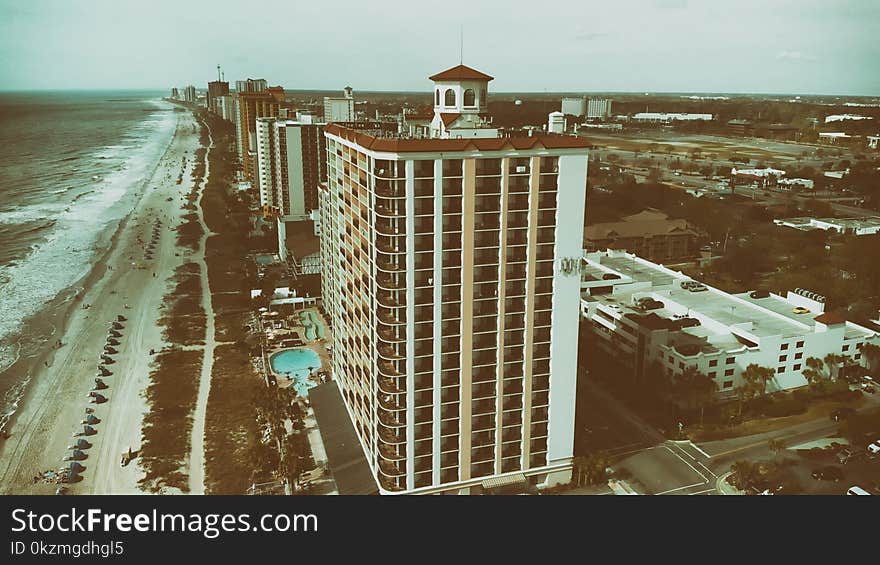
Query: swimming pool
x=313 y=326
x=264 y=259
x=295 y=363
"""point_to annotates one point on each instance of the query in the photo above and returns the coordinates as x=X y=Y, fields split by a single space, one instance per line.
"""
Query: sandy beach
x=124 y=283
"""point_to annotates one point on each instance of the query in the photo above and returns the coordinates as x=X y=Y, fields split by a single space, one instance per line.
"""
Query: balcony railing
x=389 y=385
x=392 y=437
x=392 y=419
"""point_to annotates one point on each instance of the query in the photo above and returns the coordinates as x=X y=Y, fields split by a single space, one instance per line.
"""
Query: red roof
x=830 y=318
x=461 y=72
x=403 y=145
x=449 y=118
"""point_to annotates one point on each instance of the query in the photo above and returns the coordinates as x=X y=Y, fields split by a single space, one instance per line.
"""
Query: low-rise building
x=762 y=177
x=556 y=122
x=665 y=117
x=854 y=226
x=873 y=141
x=648 y=315
x=834 y=137
x=803 y=184
x=649 y=233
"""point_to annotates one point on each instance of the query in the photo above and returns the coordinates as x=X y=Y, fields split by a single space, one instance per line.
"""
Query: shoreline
x=51 y=406
x=58 y=316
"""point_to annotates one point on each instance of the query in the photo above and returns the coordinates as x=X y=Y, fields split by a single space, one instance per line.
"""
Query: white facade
x=873 y=141
x=556 y=122
x=718 y=333
x=251 y=85
x=598 y=108
x=289 y=166
x=669 y=117
x=853 y=226
x=574 y=106
x=189 y=94
x=339 y=109
x=226 y=108
x=456 y=349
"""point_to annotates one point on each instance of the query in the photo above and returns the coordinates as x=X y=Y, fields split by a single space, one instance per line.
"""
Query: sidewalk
x=723 y=487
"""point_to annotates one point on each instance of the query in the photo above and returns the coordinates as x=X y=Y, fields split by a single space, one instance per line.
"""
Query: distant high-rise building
x=251 y=85
x=574 y=106
x=189 y=94
x=290 y=162
x=598 y=109
x=175 y=94
x=253 y=105
x=556 y=122
x=452 y=285
x=215 y=90
x=225 y=107
x=339 y=109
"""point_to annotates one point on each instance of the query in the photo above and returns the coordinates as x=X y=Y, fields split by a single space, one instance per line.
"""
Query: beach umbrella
x=80 y=444
x=117 y=326
x=111 y=341
x=114 y=333
x=110 y=350
x=104 y=371
x=107 y=360
x=120 y=318
x=91 y=419
x=88 y=431
x=75 y=455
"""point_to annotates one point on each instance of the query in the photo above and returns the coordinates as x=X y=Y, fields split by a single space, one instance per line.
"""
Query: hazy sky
x=792 y=46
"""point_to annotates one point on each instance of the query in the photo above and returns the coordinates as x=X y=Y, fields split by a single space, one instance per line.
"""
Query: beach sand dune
x=125 y=284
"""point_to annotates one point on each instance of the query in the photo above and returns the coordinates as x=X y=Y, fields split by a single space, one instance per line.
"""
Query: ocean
x=71 y=164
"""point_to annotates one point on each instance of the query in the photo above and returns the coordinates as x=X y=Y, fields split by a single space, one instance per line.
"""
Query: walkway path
x=197 y=441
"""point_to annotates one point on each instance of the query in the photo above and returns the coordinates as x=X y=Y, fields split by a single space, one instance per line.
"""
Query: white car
x=874 y=448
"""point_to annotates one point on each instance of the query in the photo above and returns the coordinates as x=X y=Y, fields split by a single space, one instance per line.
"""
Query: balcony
x=391 y=468
x=394 y=211
x=389 y=318
x=392 y=484
x=391 y=352
x=389 y=300
x=392 y=402
x=391 y=386
x=483 y=407
x=388 y=335
x=387 y=189
x=391 y=245
x=390 y=227
x=392 y=419
x=392 y=437
x=392 y=453
x=388 y=281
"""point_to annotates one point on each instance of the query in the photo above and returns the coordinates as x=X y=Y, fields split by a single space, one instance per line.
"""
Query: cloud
x=794 y=56
x=582 y=34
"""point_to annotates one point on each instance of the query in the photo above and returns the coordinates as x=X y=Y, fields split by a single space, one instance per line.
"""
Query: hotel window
x=780 y=369
x=449 y=97
x=469 y=97
x=797 y=367
x=727 y=384
x=782 y=358
x=857 y=356
x=437 y=97
x=669 y=358
x=729 y=361
x=783 y=347
x=799 y=344
x=728 y=373
x=846 y=347
x=798 y=355
x=713 y=363
x=711 y=375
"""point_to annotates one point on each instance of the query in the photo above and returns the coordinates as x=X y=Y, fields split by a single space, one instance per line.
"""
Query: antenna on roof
x=218 y=73
x=461 y=44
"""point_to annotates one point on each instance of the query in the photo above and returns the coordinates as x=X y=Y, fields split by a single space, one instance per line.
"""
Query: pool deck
x=319 y=346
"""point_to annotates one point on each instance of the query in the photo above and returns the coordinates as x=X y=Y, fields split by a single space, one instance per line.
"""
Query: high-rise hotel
x=451 y=282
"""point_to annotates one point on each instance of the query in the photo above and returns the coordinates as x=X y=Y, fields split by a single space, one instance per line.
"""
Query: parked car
x=801 y=310
x=698 y=288
x=857 y=490
x=829 y=473
x=869 y=388
x=844 y=455
x=759 y=294
x=842 y=413
x=874 y=447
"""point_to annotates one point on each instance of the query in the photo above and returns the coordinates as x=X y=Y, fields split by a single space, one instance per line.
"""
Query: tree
x=833 y=362
x=697 y=388
x=813 y=373
x=757 y=378
x=871 y=352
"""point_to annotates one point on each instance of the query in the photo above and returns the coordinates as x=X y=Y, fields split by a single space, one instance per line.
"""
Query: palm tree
x=832 y=362
x=813 y=372
x=871 y=351
x=697 y=387
x=757 y=377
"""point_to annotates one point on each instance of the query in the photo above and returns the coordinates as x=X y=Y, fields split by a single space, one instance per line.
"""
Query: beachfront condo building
x=189 y=94
x=216 y=89
x=290 y=163
x=253 y=105
x=251 y=85
x=452 y=286
x=339 y=109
